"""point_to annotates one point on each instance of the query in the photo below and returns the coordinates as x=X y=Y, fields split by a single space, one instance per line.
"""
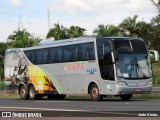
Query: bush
x=156 y=73
x=2 y=85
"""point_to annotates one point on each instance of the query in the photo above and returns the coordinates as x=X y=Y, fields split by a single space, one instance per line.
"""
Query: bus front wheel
x=94 y=93
x=23 y=93
x=126 y=97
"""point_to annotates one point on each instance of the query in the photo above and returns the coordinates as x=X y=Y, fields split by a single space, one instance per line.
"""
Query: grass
x=146 y=96
x=7 y=95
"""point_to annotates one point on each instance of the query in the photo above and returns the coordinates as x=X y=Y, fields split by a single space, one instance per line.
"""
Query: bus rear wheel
x=33 y=95
x=94 y=93
x=126 y=97
x=23 y=93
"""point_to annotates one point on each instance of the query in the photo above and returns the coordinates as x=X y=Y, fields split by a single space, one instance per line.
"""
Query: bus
x=118 y=66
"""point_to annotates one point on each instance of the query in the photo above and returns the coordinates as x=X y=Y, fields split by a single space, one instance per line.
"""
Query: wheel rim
x=23 y=92
x=31 y=93
x=95 y=92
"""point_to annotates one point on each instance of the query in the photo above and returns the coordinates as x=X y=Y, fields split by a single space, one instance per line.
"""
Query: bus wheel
x=23 y=93
x=32 y=93
x=94 y=93
x=126 y=97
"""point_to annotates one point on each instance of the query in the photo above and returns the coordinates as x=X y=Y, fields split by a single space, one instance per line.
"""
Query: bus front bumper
x=120 y=90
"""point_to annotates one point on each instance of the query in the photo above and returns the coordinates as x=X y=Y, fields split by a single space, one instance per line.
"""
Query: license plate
x=137 y=90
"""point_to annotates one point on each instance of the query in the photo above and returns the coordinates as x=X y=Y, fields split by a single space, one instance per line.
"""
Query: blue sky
x=84 y=13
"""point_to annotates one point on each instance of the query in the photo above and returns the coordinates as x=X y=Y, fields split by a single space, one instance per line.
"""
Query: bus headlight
x=122 y=83
x=150 y=83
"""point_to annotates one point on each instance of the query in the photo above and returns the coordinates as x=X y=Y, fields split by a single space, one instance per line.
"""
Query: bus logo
x=74 y=66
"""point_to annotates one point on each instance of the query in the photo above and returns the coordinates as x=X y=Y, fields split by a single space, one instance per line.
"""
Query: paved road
x=82 y=107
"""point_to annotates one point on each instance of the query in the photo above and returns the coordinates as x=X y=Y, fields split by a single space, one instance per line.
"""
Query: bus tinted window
x=41 y=56
x=139 y=47
x=55 y=55
x=51 y=57
x=103 y=47
x=30 y=55
x=70 y=53
x=86 y=52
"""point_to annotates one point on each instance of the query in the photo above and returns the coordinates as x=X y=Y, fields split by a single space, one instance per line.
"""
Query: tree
x=106 y=31
x=3 y=47
x=145 y=32
x=22 y=38
x=58 y=32
x=131 y=25
x=75 y=31
x=155 y=22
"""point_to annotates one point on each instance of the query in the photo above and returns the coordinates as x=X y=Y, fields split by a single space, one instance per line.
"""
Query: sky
x=88 y=14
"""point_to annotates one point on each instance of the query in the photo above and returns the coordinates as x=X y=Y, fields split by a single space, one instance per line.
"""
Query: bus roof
x=67 y=41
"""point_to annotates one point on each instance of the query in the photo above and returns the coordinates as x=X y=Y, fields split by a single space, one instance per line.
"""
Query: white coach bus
x=100 y=67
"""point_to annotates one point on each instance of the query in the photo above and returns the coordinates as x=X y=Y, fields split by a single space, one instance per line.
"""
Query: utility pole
x=20 y=24
x=48 y=14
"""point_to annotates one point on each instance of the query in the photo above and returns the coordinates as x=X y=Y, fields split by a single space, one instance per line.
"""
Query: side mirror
x=154 y=56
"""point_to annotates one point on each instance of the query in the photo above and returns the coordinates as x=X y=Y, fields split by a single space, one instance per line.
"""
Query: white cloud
x=16 y=3
x=84 y=13
x=139 y=6
x=85 y=7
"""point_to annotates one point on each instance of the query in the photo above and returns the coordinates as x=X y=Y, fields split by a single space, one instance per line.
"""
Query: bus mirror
x=154 y=56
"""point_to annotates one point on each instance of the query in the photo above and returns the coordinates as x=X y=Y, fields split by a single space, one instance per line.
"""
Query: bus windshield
x=132 y=59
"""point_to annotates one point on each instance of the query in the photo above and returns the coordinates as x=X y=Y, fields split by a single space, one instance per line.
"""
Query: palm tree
x=22 y=38
x=106 y=31
x=57 y=32
x=75 y=31
x=131 y=25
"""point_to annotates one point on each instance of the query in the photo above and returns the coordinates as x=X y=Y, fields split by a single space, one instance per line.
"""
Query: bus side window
x=68 y=53
x=30 y=55
x=58 y=55
x=86 y=52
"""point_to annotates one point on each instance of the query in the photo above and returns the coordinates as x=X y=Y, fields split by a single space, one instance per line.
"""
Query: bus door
x=106 y=66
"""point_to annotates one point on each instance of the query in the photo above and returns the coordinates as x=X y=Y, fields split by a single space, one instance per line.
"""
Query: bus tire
x=126 y=97
x=94 y=93
x=32 y=93
x=58 y=97
x=23 y=93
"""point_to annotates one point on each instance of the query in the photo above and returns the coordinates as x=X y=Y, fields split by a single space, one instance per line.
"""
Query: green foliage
x=2 y=85
x=107 y=31
x=22 y=39
x=59 y=32
x=131 y=25
x=156 y=73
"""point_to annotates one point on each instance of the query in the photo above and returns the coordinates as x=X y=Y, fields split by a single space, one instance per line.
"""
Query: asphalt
x=77 y=107
x=83 y=107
